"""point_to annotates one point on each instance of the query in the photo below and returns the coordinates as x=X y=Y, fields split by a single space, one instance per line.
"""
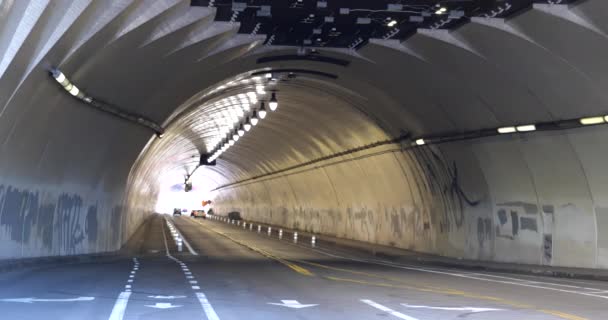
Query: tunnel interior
x=394 y=143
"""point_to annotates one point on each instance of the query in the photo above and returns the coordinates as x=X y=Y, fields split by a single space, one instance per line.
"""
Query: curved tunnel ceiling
x=165 y=60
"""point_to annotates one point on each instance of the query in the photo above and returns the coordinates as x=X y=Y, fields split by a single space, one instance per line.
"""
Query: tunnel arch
x=537 y=198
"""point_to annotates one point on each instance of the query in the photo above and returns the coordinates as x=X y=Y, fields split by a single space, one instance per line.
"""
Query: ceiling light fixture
x=392 y=23
x=241 y=131
x=247 y=125
x=262 y=110
x=254 y=118
x=420 y=142
x=274 y=103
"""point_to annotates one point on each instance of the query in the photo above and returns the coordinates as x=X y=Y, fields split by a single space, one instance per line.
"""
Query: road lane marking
x=163 y=305
x=167 y=297
x=424 y=289
x=293 y=304
x=517 y=282
x=211 y=315
x=463 y=294
x=32 y=300
x=184 y=240
x=468 y=309
x=388 y=310
x=291 y=265
x=118 y=312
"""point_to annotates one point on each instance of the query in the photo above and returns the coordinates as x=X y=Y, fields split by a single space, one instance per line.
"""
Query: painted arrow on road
x=162 y=305
x=294 y=304
x=32 y=300
x=166 y=297
x=468 y=309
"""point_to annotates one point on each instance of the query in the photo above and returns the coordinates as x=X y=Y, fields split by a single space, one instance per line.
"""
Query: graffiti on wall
x=444 y=184
x=59 y=225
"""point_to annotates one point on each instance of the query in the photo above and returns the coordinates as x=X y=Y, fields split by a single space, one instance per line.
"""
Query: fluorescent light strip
x=526 y=128
x=592 y=120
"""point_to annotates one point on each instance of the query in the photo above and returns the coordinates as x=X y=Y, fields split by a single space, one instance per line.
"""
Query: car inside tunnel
x=303 y=159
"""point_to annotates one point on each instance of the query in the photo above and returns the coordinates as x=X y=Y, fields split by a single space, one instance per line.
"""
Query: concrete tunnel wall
x=78 y=181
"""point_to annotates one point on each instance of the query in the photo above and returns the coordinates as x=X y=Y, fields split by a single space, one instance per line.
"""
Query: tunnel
x=363 y=159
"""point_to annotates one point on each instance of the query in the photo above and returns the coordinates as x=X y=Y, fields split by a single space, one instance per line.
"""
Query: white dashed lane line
x=120 y=306
x=191 y=279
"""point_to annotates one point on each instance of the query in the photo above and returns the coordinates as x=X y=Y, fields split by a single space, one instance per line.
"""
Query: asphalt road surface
x=209 y=269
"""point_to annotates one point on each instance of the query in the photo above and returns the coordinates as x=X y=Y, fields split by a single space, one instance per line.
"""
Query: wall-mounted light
x=392 y=23
x=273 y=104
x=504 y=130
x=526 y=128
x=262 y=110
x=592 y=120
x=69 y=86
x=441 y=10
x=420 y=142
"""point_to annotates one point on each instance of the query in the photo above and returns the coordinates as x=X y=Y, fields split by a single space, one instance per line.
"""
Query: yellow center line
x=402 y=284
x=291 y=265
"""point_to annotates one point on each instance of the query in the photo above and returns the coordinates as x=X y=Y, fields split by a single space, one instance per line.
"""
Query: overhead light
x=74 y=90
x=441 y=10
x=526 y=128
x=236 y=137
x=241 y=131
x=506 y=130
x=247 y=125
x=268 y=75
x=254 y=118
x=420 y=142
x=392 y=23
x=262 y=110
x=274 y=103
x=260 y=89
x=231 y=142
x=592 y=120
